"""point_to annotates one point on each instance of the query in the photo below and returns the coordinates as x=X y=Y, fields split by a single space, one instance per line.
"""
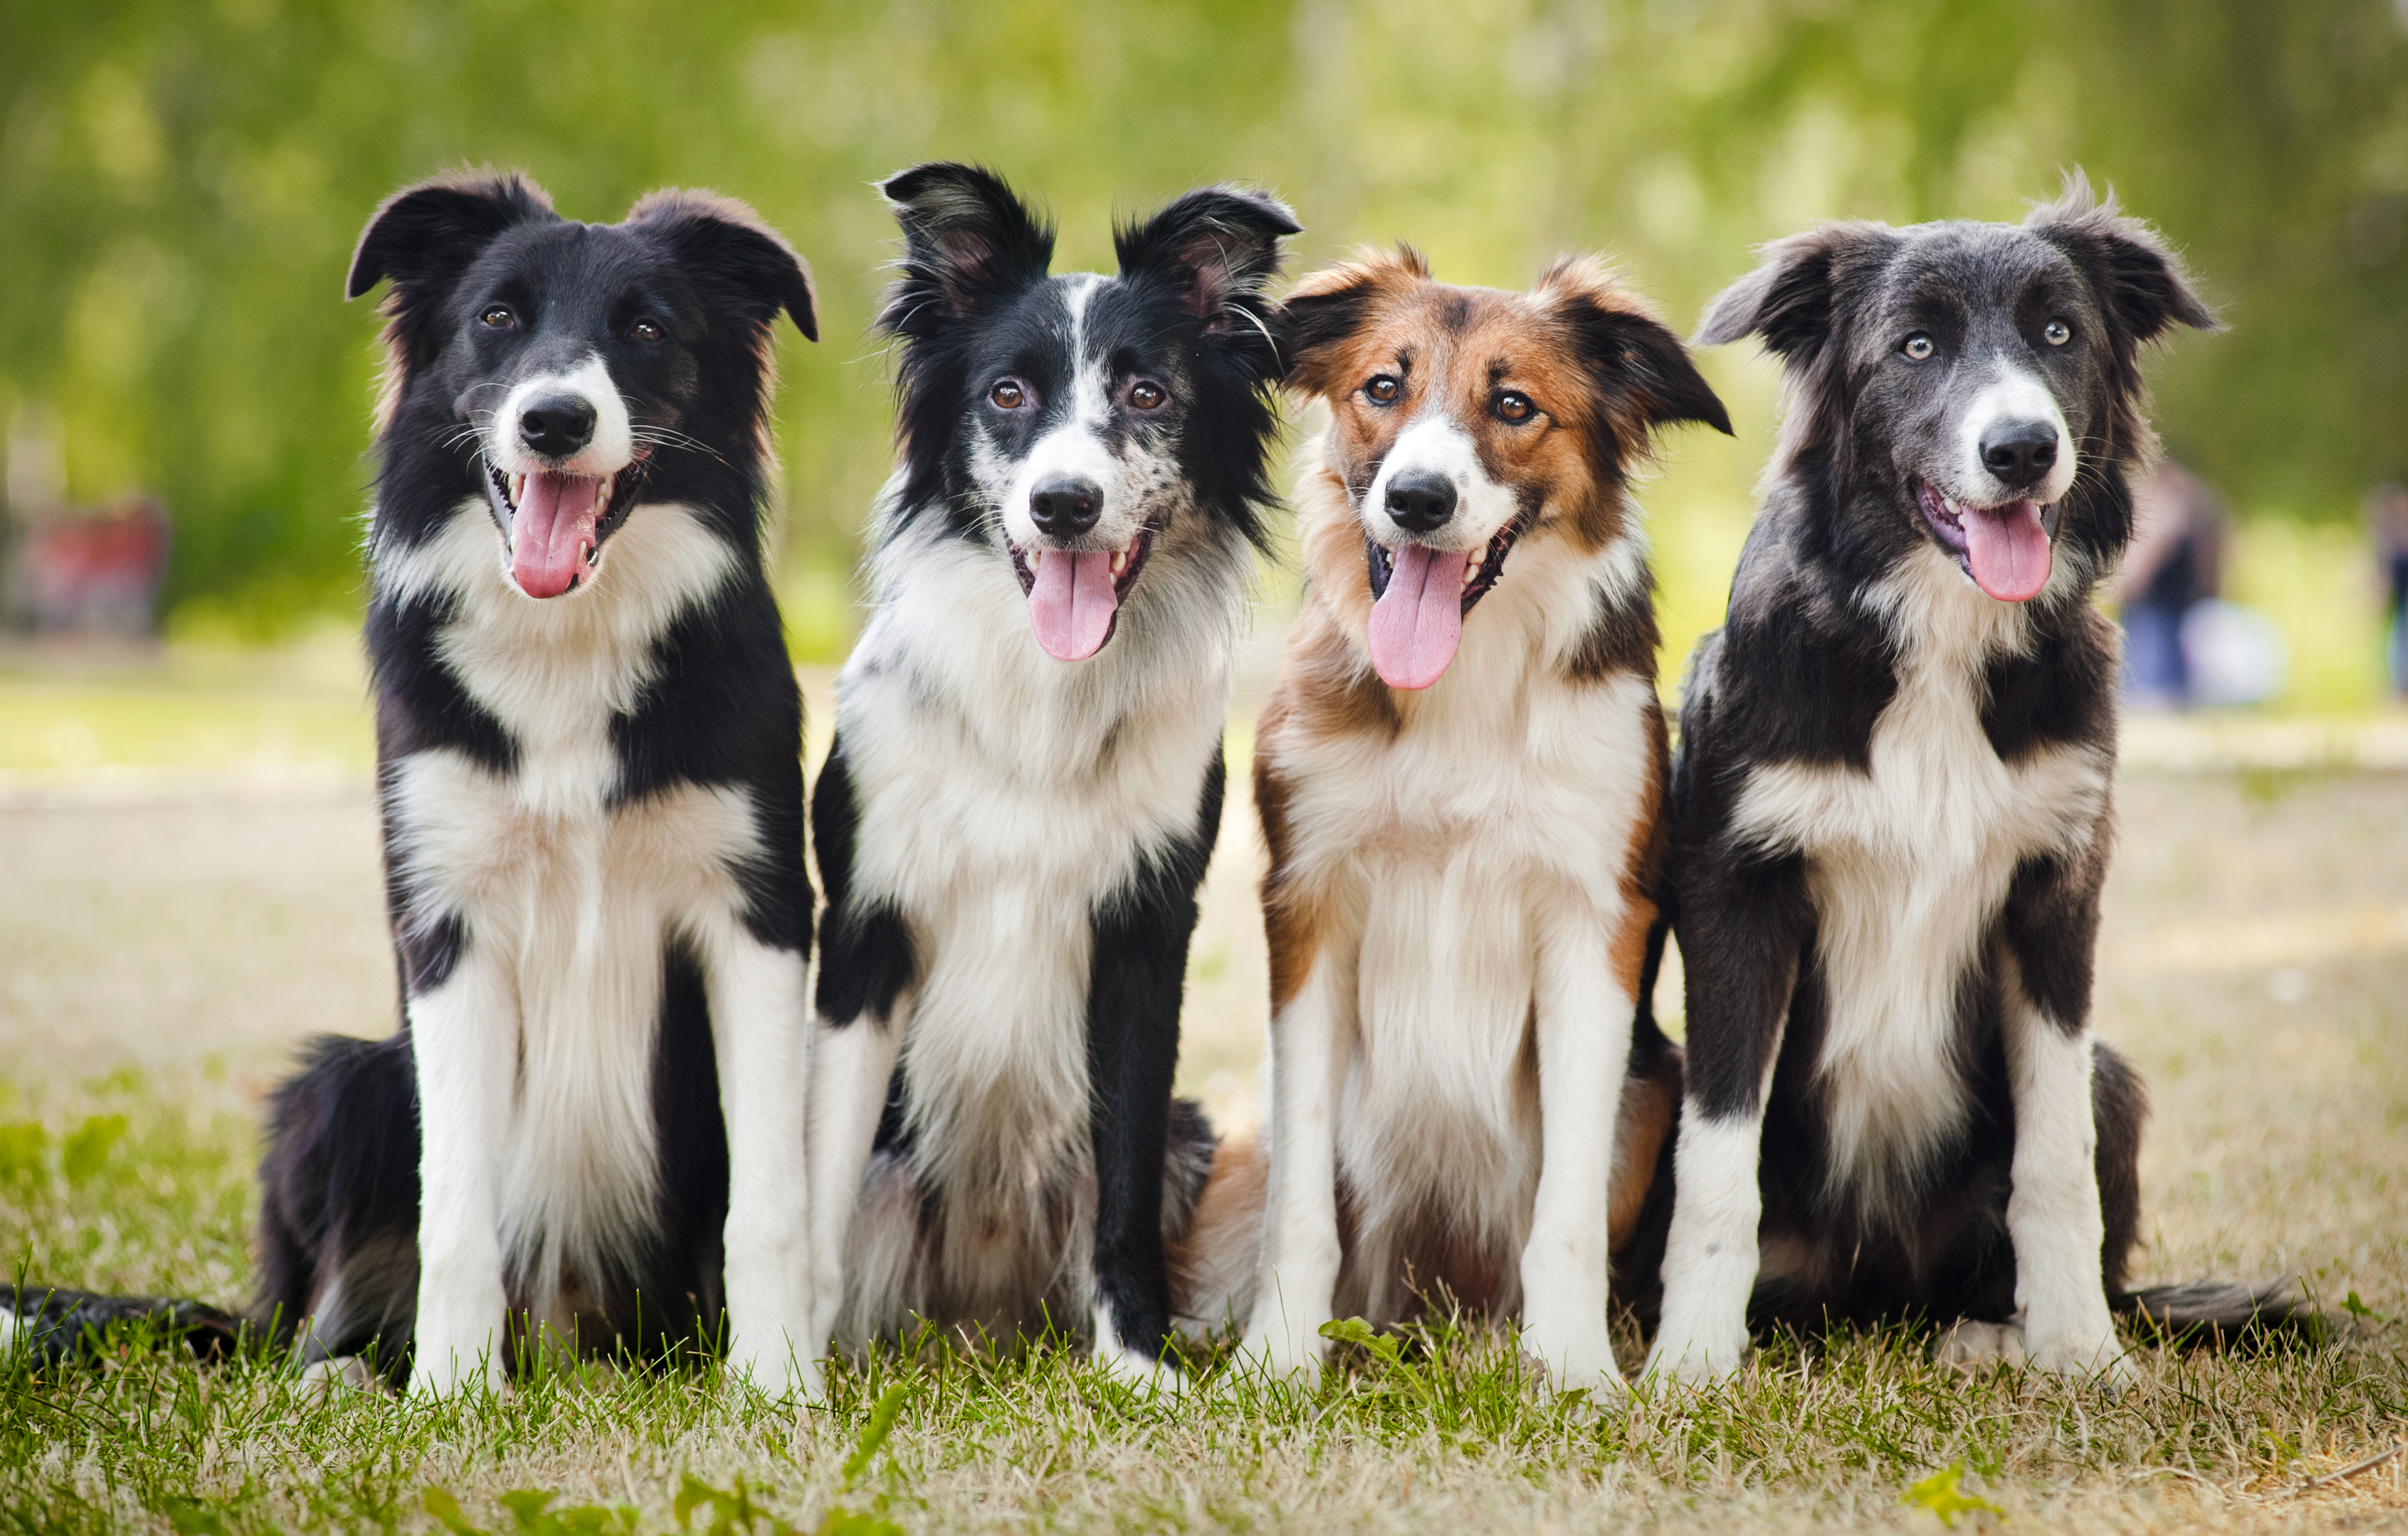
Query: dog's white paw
x=1696 y=1358
x=335 y=1375
x=1143 y=1372
x=2091 y=1356
x=1577 y=1365
x=1972 y=1346
x=1283 y=1352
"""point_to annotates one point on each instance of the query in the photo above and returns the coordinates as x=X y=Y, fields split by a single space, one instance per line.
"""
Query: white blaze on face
x=2011 y=394
x=556 y=507
x=1417 y=620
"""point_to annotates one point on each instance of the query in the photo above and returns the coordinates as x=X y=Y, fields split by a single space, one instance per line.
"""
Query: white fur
x=1438 y=444
x=2011 y=394
x=1457 y=1049
x=851 y=1062
x=1711 y=1258
x=534 y=1057
x=610 y=449
x=1002 y=795
x=2053 y=1213
x=1908 y=867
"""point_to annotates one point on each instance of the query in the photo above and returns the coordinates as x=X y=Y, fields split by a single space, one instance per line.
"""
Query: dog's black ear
x=1313 y=324
x=968 y=242
x=1788 y=299
x=1630 y=351
x=422 y=235
x=726 y=245
x=2139 y=281
x=1216 y=246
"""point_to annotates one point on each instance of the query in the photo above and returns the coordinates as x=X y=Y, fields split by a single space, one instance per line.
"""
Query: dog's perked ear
x=1330 y=306
x=2140 y=281
x=968 y=243
x=1629 y=353
x=1215 y=247
x=422 y=236
x=728 y=247
x=1788 y=299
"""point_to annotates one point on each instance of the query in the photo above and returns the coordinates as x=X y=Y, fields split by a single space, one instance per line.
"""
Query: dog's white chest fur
x=1504 y=809
x=1002 y=796
x=566 y=902
x=1908 y=866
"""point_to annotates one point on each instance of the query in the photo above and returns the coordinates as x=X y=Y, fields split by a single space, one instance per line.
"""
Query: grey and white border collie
x=1027 y=775
x=588 y=742
x=1891 y=803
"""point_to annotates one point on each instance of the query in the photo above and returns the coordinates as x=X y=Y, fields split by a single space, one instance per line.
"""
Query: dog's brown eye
x=1514 y=408
x=1918 y=347
x=500 y=318
x=1383 y=390
x=2057 y=331
x=1007 y=395
x=1145 y=395
x=644 y=330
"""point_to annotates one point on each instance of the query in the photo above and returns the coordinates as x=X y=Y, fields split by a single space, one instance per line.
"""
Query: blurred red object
x=94 y=573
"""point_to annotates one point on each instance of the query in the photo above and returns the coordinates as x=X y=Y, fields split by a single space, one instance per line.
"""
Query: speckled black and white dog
x=588 y=742
x=1890 y=807
x=1028 y=776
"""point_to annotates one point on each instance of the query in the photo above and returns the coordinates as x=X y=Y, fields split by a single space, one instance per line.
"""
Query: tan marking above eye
x=1382 y=390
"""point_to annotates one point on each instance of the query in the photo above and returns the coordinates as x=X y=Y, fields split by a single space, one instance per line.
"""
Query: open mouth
x=557 y=524
x=1074 y=595
x=1419 y=597
x=2007 y=549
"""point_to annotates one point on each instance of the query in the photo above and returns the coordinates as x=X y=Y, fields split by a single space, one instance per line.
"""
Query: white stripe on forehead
x=1090 y=387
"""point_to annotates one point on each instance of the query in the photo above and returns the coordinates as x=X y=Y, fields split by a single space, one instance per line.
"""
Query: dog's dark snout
x=557 y=425
x=2019 y=453
x=1064 y=506
x=1419 y=501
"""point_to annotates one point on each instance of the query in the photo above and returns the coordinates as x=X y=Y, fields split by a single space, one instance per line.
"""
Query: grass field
x=197 y=888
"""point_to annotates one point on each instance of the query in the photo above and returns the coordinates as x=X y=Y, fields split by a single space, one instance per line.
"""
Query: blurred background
x=186 y=395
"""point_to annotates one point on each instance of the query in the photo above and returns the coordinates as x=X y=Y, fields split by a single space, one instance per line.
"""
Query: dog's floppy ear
x=1788 y=299
x=2141 y=282
x=1325 y=308
x=968 y=242
x=1628 y=352
x=727 y=247
x=1216 y=246
x=424 y=234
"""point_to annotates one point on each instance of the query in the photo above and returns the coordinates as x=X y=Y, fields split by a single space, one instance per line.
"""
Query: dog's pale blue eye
x=2057 y=331
x=1918 y=347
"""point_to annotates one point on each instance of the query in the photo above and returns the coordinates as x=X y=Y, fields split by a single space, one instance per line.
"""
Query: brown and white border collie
x=1460 y=777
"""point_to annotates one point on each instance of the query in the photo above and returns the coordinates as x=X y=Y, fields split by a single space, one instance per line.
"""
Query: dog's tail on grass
x=2216 y=1314
x=59 y=1325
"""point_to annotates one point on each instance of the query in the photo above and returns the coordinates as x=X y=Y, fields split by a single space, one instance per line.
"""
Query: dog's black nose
x=1419 y=500
x=2019 y=453
x=556 y=426
x=1066 y=507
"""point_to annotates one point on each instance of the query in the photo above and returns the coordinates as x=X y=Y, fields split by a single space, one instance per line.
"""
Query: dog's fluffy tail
x=59 y=1325
x=2216 y=1312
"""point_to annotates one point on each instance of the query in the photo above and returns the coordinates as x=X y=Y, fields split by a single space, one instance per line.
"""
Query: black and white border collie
x=1461 y=781
x=1027 y=780
x=1891 y=803
x=588 y=740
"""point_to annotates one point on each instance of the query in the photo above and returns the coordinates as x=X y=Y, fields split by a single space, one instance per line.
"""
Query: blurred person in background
x=2387 y=517
x=2183 y=643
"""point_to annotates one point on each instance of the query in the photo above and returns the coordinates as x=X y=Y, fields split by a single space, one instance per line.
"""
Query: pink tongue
x=1070 y=603
x=551 y=531
x=2007 y=550
x=1418 y=621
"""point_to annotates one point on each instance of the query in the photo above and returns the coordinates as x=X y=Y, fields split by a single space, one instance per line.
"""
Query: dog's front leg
x=1741 y=924
x=1583 y=1022
x=1312 y=1036
x=464 y=1039
x=760 y=1023
x=852 y=1062
x=2053 y=1211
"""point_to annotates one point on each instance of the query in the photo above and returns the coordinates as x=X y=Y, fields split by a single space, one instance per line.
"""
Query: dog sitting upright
x=1027 y=780
x=588 y=743
x=1891 y=803
x=1460 y=778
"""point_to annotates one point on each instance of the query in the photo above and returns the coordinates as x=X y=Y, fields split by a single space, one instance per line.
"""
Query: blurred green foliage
x=181 y=181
